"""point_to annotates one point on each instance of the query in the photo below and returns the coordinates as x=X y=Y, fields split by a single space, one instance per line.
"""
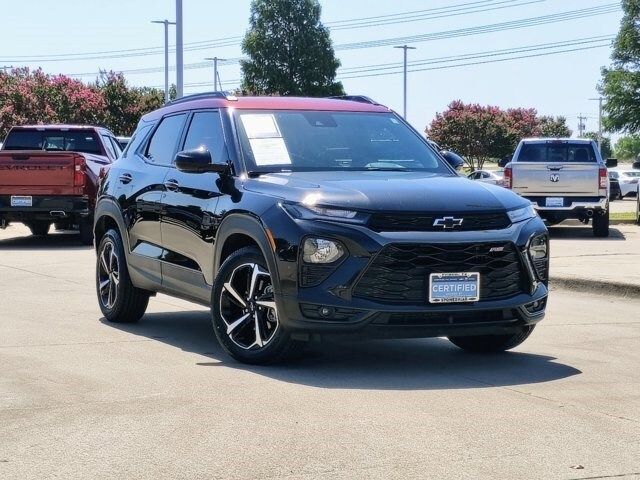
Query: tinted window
x=163 y=143
x=557 y=152
x=54 y=141
x=318 y=140
x=205 y=131
x=107 y=144
x=139 y=136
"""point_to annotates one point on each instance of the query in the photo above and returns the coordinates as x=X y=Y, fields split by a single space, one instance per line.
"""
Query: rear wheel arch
x=108 y=216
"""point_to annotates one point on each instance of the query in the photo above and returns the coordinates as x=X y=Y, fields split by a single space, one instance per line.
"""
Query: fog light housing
x=539 y=249
x=539 y=255
x=322 y=250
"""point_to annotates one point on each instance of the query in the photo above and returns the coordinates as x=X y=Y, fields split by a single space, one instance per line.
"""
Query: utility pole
x=166 y=24
x=599 y=99
x=581 y=125
x=405 y=48
x=179 y=51
x=216 y=78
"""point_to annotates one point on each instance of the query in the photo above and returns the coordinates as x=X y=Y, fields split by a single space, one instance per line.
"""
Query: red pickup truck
x=49 y=175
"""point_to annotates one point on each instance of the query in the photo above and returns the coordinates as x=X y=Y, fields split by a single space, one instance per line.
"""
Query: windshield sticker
x=270 y=151
x=260 y=125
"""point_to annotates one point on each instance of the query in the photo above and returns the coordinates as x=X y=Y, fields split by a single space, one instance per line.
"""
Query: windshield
x=564 y=152
x=53 y=140
x=314 y=140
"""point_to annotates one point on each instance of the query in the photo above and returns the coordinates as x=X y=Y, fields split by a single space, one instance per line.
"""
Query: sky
x=69 y=31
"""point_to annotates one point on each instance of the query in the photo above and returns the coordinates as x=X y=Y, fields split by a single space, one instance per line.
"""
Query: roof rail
x=196 y=96
x=355 y=98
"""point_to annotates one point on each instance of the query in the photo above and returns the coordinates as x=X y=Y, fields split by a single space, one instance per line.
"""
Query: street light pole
x=166 y=24
x=405 y=48
x=216 y=78
x=179 y=51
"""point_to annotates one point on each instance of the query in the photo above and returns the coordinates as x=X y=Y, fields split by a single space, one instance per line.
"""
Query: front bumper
x=300 y=308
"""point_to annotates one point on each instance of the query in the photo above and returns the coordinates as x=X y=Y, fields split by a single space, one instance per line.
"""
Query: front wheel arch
x=247 y=230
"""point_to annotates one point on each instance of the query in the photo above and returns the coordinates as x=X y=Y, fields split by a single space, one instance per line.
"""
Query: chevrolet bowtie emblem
x=448 y=222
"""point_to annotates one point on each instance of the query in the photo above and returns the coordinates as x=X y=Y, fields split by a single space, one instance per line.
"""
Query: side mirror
x=198 y=161
x=612 y=162
x=503 y=161
x=453 y=159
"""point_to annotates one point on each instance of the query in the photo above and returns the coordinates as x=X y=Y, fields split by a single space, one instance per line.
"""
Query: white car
x=628 y=180
x=494 y=177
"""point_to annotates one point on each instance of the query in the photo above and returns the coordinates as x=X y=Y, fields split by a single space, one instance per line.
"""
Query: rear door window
x=557 y=153
x=163 y=143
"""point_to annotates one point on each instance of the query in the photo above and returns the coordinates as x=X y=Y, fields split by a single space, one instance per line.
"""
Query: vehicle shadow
x=572 y=232
x=419 y=364
x=66 y=240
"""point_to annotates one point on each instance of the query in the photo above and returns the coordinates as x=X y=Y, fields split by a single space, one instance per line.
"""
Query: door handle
x=125 y=178
x=171 y=184
x=555 y=168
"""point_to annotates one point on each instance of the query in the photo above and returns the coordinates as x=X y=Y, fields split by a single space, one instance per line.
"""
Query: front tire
x=120 y=301
x=492 y=343
x=601 y=224
x=244 y=313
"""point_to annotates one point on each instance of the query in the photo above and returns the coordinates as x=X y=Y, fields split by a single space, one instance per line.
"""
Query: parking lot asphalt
x=81 y=398
x=611 y=264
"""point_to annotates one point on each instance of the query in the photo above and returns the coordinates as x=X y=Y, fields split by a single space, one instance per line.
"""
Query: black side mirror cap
x=612 y=162
x=453 y=159
x=199 y=161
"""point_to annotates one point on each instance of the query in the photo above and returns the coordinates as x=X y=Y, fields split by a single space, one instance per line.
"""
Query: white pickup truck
x=564 y=178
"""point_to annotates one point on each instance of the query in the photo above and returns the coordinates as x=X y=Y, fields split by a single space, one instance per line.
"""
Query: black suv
x=294 y=218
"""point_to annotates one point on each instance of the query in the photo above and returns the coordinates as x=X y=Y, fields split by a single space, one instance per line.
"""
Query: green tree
x=124 y=105
x=627 y=148
x=289 y=50
x=476 y=132
x=605 y=148
x=621 y=82
x=555 y=127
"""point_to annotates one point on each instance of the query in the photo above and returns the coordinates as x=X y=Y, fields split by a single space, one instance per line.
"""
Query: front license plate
x=21 y=201
x=554 y=202
x=454 y=287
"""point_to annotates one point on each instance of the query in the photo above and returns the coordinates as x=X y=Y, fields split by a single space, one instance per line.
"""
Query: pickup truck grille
x=399 y=274
x=402 y=222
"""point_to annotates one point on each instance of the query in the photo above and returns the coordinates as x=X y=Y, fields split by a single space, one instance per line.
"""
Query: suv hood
x=386 y=191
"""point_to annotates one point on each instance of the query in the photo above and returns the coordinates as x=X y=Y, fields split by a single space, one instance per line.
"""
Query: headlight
x=310 y=212
x=321 y=250
x=538 y=249
x=520 y=214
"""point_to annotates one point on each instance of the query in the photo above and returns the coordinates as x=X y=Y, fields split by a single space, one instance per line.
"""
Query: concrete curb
x=618 y=289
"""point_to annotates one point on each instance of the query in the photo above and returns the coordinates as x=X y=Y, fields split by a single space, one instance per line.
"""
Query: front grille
x=402 y=222
x=400 y=272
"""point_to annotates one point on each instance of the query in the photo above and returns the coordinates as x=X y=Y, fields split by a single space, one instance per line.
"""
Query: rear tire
x=492 y=343
x=601 y=225
x=120 y=301
x=39 y=229
x=244 y=314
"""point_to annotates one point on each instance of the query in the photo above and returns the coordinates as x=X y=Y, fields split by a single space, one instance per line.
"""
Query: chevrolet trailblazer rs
x=296 y=218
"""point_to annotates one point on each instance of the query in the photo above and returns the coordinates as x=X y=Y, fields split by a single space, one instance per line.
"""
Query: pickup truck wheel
x=601 y=225
x=39 y=229
x=244 y=313
x=86 y=232
x=492 y=343
x=120 y=301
